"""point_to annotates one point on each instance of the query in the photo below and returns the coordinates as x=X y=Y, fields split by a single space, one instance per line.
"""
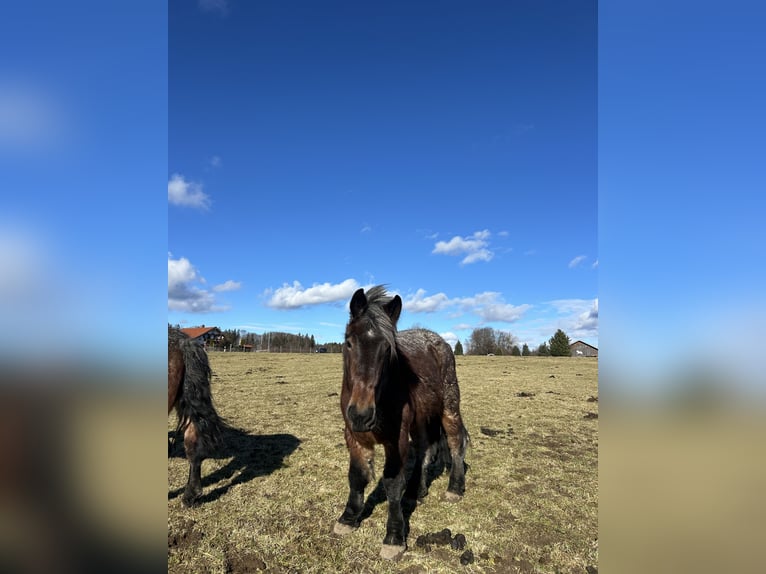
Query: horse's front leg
x=394 y=544
x=360 y=471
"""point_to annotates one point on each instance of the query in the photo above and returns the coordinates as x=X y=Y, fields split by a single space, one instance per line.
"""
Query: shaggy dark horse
x=396 y=386
x=189 y=392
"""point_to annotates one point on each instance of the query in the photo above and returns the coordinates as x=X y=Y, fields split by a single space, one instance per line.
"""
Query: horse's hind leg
x=415 y=486
x=457 y=440
x=194 y=456
x=426 y=444
x=429 y=454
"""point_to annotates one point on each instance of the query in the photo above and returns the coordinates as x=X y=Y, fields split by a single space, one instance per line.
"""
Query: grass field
x=271 y=498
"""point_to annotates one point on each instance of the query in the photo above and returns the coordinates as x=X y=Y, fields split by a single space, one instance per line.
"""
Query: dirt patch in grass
x=272 y=495
x=184 y=536
x=237 y=562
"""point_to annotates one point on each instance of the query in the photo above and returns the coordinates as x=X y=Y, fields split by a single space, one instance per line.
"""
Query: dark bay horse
x=397 y=386
x=189 y=392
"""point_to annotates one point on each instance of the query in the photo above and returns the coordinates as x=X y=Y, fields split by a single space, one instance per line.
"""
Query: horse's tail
x=195 y=405
x=444 y=457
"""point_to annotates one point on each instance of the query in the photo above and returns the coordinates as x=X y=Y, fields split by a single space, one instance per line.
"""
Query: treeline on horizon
x=272 y=342
x=483 y=341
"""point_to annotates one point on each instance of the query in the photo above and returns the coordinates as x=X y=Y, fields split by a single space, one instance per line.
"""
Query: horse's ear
x=394 y=308
x=358 y=303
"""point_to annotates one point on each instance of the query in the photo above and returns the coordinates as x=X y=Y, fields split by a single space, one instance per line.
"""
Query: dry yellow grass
x=270 y=501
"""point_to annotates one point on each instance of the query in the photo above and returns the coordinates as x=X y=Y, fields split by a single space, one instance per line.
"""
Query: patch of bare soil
x=490 y=432
x=184 y=537
x=242 y=562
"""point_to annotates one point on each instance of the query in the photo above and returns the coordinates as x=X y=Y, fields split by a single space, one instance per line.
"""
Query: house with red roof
x=204 y=334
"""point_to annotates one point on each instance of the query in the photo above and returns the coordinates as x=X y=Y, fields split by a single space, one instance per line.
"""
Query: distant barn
x=581 y=349
x=204 y=334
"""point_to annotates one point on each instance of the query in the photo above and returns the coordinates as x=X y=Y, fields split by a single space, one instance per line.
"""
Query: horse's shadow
x=251 y=456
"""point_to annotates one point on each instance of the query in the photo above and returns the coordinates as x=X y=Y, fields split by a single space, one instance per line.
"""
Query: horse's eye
x=348 y=344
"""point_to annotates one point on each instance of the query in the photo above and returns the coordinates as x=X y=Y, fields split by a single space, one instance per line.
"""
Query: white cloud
x=215 y=161
x=580 y=317
x=183 y=294
x=595 y=264
x=490 y=307
x=570 y=306
x=450 y=337
x=187 y=193
x=588 y=320
x=180 y=271
x=475 y=247
x=419 y=303
x=576 y=261
x=478 y=300
x=480 y=255
x=295 y=296
x=503 y=312
x=227 y=286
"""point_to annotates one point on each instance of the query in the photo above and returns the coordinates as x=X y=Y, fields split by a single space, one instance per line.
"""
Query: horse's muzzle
x=361 y=421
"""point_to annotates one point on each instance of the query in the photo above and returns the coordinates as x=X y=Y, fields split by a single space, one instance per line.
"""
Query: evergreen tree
x=525 y=351
x=559 y=344
x=543 y=350
x=515 y=351
x=458 y=348
x=230 y=338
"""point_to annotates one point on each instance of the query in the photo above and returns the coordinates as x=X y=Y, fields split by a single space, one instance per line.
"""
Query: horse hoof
x=392 y=552
x=190 y=501
x=342 y=529
x=452 y=496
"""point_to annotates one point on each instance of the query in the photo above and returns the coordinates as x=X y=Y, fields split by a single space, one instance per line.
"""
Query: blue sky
x=83 y=144
x=445 y=151
x=433 y=131
x=682 y=239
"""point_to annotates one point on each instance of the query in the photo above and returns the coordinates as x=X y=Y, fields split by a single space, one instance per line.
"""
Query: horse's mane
x=377 y=315
x=377 y=295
